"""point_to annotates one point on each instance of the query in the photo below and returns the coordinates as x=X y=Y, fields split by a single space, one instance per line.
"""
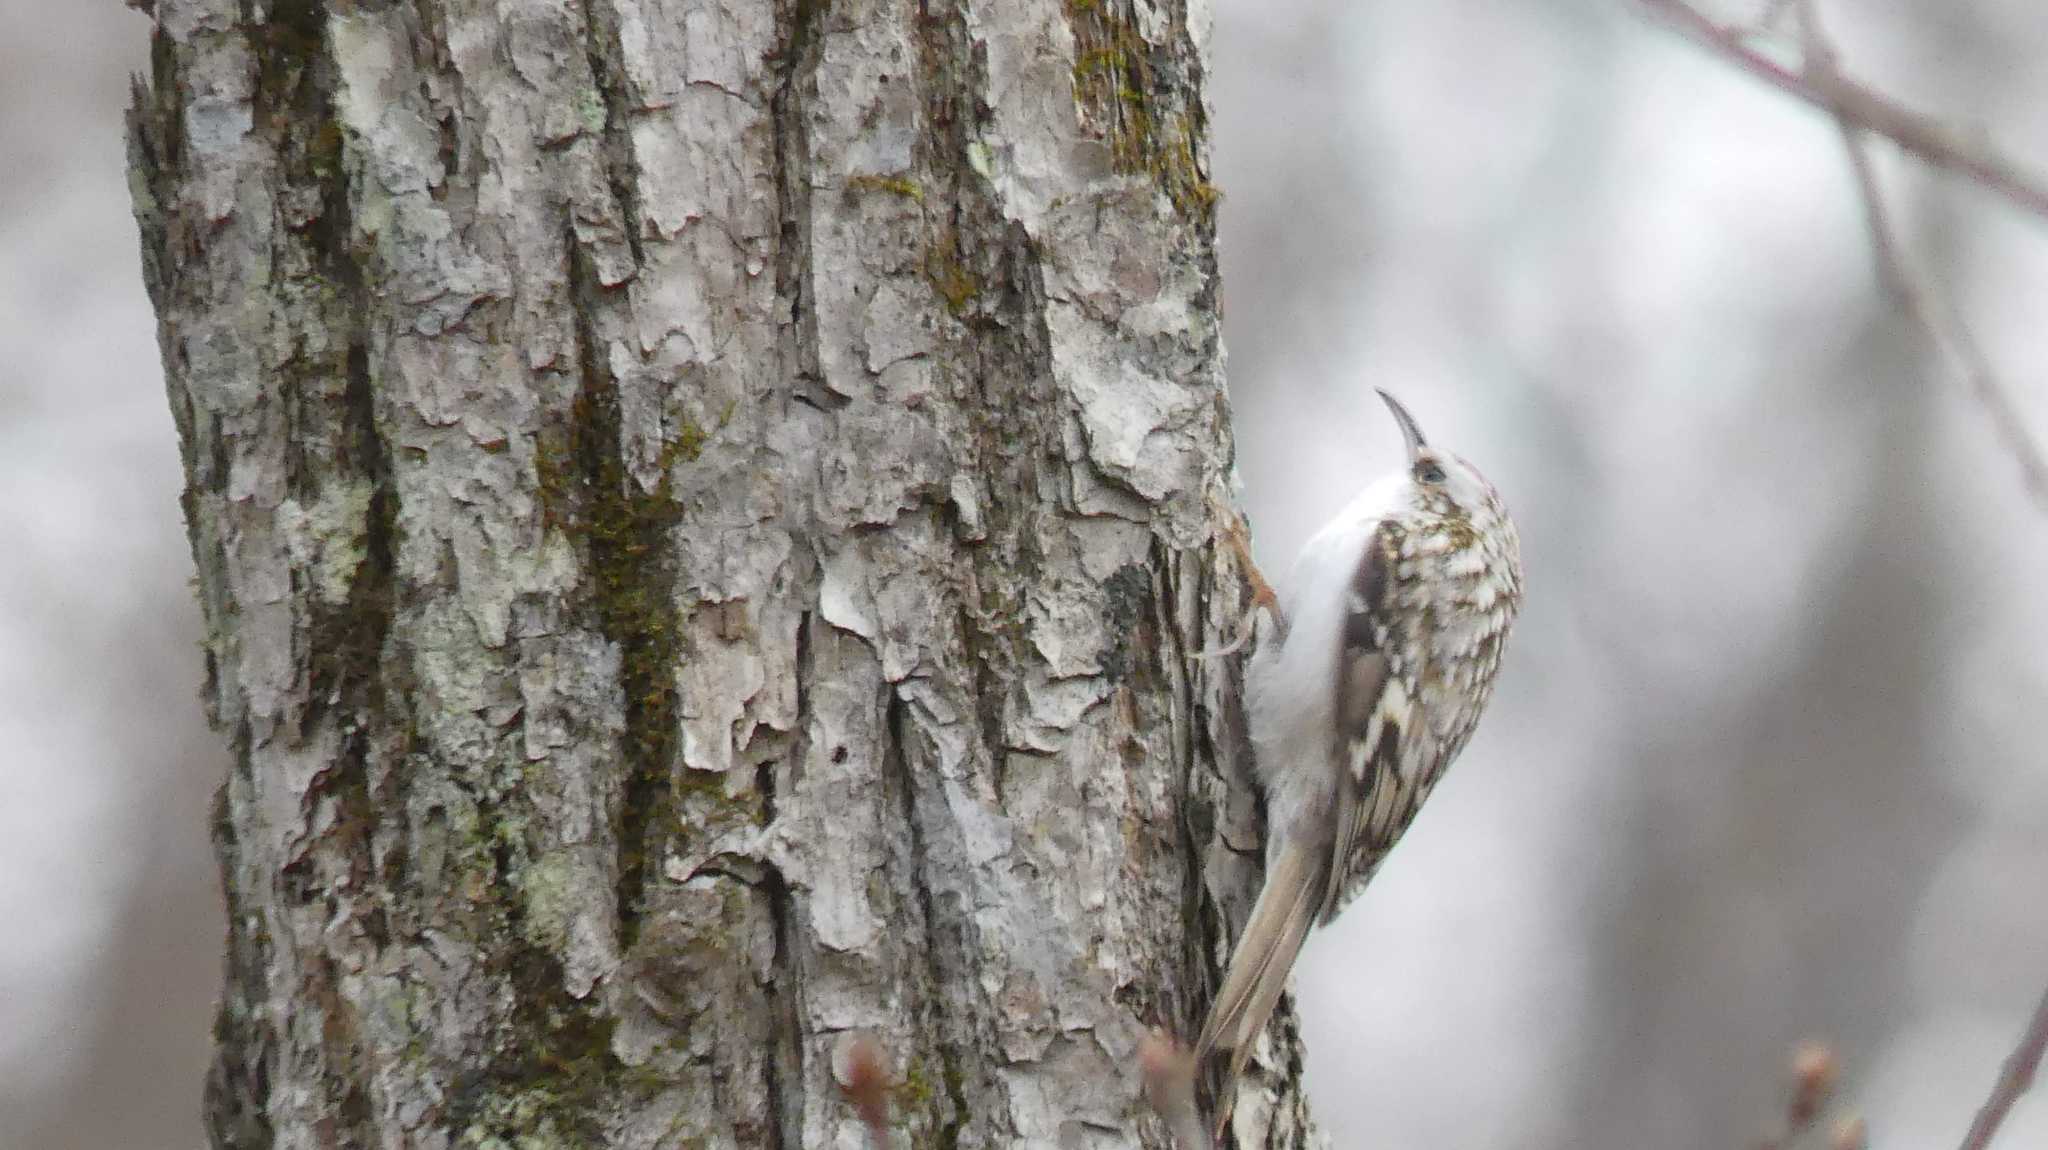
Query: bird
x=1377 y=658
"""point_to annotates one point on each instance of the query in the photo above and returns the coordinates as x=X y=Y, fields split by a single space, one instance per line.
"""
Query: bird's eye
x=1428 y=471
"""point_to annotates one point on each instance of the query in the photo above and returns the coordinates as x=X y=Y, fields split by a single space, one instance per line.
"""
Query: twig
x=1932 y=315
x=2013 y=1080
x=1947 y=329
x=1866 y=108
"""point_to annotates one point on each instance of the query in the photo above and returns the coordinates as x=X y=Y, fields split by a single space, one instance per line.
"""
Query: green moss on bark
x=1140 y=109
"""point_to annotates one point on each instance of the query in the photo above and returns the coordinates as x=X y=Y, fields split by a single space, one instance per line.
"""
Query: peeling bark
x=703 y=510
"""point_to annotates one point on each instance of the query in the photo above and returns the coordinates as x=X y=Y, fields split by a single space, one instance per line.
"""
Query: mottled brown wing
x=1366 y=739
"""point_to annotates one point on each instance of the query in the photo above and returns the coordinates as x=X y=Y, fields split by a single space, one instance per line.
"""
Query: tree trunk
x=703 y=510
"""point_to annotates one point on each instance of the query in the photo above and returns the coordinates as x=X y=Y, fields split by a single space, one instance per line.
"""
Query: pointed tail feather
x=1287 y=907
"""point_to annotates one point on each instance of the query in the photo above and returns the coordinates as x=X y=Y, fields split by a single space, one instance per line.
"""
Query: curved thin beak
x=1409 y=431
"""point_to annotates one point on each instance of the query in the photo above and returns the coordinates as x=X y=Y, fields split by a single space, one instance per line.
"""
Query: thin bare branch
x=2013 y=1080
x=1872 y=111
x=1929 y=311
x=1942 y=323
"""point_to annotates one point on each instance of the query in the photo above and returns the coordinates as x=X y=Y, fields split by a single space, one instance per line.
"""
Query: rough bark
x=703 y=508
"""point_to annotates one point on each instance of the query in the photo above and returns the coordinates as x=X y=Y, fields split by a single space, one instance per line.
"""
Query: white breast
x=1291 y=690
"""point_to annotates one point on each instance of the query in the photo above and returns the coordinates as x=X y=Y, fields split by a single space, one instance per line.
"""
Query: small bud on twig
x=862 y=1067
x=1813 y=1075
x=1169 y=1072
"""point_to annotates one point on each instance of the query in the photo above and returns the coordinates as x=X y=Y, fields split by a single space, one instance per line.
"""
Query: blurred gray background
x=1765 y=761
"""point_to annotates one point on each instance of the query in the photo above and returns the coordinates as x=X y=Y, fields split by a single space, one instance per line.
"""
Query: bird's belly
x=1464 y=654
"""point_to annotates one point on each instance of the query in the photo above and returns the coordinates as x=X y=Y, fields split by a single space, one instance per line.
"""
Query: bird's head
x=1442 y=489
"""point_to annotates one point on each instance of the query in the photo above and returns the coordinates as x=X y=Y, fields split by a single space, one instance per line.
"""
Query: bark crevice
x=238 y=1083
x=603 y=51
x=798 y=23
x=950 y=1031
x=550 y=1059
x=626 y=532
x=783 y=1070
